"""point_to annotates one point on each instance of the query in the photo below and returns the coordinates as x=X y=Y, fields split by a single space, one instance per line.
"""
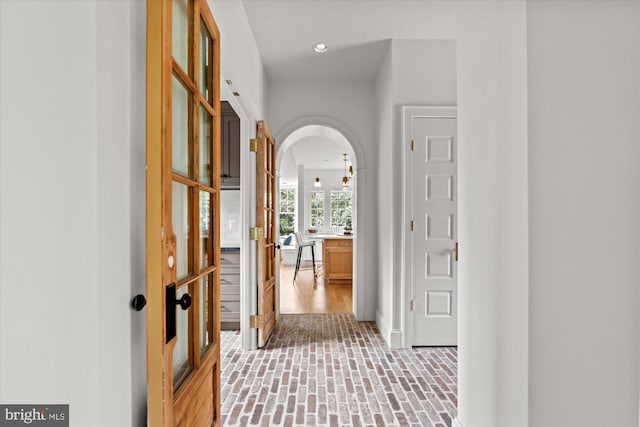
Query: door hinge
x=456 y=251
x=411 y=225
x=413 y=145
x=255 y=144
x=255 y=322
x=256 y=233
x=411 y=306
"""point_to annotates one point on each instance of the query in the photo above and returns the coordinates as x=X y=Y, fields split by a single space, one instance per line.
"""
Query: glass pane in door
x=206 y=68
x=206 y=229
x=180 y=128
x=180 y=224
x=205 y=146
x=206 y=313
x=181 y=364
x=180 y=33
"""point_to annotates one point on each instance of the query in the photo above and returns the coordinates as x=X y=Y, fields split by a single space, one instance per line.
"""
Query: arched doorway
x=316 y=130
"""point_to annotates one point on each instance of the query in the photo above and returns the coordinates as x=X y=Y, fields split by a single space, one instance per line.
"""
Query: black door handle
x=170 y=309
x=184 y=302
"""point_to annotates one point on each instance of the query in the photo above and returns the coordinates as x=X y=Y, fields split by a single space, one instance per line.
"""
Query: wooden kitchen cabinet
x=337 y=260
x=230 y=289
x=229 y=146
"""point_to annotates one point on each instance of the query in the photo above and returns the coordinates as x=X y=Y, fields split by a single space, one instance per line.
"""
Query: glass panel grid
x=179 y=128
x=205 y=285
x=205 y=146
x=287 y=210
x=341 y=208
x=207 y=208
x=317 y=208
x=181 y=362
x=180 y=32
x=180 y=224
x=206 y=59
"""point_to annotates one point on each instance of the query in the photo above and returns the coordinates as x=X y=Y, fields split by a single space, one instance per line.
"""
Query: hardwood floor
x=307 y=296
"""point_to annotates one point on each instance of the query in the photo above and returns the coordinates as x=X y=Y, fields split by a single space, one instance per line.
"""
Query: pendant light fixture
x=345 y=178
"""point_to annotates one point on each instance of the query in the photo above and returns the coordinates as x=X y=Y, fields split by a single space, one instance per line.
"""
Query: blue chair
x=303 y=244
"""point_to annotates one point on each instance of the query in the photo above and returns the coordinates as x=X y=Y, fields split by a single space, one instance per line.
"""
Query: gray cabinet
x=229 y=146
x=230 y=289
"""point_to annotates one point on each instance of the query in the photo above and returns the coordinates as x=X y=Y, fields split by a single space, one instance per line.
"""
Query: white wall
x=424 y=73
x=413 y=72
x=65 y=208
x=239 y=56
x=352 y=104
x=241 y=63
x=230 y=218
x=492 y=206
x=137 y=199
x=331 y=181
x=584 y=105
x=384 y=183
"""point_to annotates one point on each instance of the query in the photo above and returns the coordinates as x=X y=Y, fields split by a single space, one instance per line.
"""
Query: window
x=341 y=208
x=317 y=208
x=287 y=210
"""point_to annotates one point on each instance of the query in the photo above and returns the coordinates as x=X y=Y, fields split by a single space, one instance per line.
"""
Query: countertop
x=322 y=236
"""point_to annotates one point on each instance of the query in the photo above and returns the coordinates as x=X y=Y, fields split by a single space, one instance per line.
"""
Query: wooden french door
x=183 y=189
x=265 y=220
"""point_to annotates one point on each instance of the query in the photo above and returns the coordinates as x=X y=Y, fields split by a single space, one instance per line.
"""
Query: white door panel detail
x=440 y=149
x=439 y=227
x=439 y=265
x=440 y=187
x=438 y=304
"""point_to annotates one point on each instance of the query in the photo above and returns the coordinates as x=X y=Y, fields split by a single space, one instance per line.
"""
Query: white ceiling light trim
x=320 y=47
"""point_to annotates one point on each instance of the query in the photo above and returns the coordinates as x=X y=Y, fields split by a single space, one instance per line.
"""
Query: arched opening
x=308 y=150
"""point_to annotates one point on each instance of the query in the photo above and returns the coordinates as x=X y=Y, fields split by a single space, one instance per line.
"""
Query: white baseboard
x=385 y=330
x=396 y=339
x=393 y=337
x=456 y=423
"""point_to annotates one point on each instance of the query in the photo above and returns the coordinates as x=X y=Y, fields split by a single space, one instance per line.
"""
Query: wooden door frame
x=156 y=64
x=406 y=255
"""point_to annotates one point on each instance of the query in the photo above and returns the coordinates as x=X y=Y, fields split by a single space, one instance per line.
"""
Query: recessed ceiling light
x=320 y=47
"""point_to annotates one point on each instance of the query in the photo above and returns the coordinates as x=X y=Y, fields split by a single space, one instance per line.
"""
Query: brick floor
x=329 y=369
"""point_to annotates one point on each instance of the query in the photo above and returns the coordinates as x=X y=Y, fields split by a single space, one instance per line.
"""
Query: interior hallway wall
x=239 y=56
x=66 y=254
x=424 y=73
x=384 y=183
x=352 y=104
x=584 y=106
x=493 y=221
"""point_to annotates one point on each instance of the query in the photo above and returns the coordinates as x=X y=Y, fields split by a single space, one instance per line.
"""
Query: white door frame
x=248 y=289
x=409 y=112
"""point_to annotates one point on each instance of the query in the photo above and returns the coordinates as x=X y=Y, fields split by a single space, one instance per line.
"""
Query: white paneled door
x=433 y=200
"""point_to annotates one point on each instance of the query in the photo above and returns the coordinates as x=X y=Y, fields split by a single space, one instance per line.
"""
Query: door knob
x=138 y=302
x=184 y=302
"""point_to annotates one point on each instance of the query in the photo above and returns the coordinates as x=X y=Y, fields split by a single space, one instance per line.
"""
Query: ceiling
x=319 y=153
x=354 y=30
x=314 y=152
